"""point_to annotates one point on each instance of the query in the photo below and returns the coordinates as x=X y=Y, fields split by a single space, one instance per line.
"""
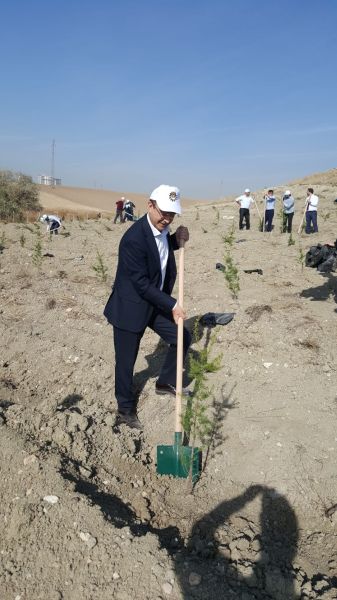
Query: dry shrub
x=305 y=321
x=309 y=343
x=51 y=303
x=78 y=215
x=256 y=311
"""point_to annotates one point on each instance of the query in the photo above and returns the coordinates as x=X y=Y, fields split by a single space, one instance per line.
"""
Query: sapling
x=100 y=268
x=283 y=220
x=22 y=240
x=2 y=242
x=196 y=422
x=231 y=272
x=217 y=215
x=37 y=251
x=301 y=257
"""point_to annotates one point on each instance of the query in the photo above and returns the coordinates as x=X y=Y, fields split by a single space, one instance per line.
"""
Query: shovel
x=178 y=460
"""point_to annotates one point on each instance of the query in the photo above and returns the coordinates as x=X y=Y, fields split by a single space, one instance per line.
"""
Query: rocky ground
x=83 y=512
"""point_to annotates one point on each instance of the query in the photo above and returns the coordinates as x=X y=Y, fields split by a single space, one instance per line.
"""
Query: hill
x=83 y=200
x=327 y=178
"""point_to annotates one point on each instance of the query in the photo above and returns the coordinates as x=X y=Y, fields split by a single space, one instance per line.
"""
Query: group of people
x=310 y=211
x=124 y=206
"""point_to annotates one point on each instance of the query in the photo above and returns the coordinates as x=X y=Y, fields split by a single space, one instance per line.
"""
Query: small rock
x=321 y=585
x=170 y=576
x=326 y=369
x=306 y=587
x=77 y=422
x=85 y=472
x=115 y=575
x=167 y=588
x=267 y=364
x=30 y=459
x=194 y=579
x=51 y=499
x=242 y=544
x=88 y=539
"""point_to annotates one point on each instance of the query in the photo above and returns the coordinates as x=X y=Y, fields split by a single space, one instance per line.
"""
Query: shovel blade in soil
x=178 y=461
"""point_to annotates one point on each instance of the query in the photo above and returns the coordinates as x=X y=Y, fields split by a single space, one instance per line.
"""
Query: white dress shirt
x=245 y=201
x=163 y=248
x=312 y=201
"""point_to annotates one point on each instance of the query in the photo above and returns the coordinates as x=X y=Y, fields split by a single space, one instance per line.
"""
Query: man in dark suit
x=141 y=297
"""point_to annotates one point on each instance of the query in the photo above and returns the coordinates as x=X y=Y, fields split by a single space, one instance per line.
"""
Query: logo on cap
x=173 y=196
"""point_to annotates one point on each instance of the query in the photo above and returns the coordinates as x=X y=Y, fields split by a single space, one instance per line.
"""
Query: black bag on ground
x=317 y=255
x=322 y=256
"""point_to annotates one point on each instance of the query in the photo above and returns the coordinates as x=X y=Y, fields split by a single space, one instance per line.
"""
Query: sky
x=212 y=96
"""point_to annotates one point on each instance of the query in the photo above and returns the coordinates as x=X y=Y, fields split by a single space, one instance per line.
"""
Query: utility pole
x=53 y=162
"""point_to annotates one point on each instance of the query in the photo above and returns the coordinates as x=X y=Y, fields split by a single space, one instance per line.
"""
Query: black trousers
x=287 y=222
x=126 y=351
x=244 y=215
x=268 y=217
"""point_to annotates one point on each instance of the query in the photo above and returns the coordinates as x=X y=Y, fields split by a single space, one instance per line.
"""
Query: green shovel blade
x=178 y=460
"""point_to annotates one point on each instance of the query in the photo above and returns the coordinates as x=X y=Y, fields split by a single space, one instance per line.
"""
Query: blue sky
x=211 y=96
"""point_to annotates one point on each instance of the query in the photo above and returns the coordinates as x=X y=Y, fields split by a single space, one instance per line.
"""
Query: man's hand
x=182 y=235
x=178 y=313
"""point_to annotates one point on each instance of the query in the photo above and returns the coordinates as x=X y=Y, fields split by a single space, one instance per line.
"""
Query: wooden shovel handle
x=180 y=338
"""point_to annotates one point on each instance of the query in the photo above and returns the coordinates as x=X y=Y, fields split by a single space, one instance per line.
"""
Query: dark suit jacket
x=136 y=290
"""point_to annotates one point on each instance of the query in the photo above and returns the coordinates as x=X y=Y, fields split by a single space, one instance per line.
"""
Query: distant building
x=48 y=180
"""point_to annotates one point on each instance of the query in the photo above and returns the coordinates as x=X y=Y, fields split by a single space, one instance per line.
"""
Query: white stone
x=167 y=588
x=51 y=499
x=88 y=539
x=30 y=459
x=267 y=364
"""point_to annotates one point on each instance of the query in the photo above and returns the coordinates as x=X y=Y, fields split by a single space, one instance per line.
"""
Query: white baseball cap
x=167 y=198
x=287 y=193
x=247 y=191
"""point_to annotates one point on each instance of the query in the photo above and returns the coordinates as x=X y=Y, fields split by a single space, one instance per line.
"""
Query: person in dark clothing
x=141 y=297
x=288 y=211
x=269 y=201
x=119 y=210
x=129 y=207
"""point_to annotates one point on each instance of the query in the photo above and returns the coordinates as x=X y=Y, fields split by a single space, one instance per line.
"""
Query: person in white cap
x=119 y=210
x=53 y=223
x=244 y=202
x=288 y=211
x=141 y=297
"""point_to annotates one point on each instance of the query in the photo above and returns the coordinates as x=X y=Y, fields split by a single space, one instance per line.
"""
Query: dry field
x=83 y=513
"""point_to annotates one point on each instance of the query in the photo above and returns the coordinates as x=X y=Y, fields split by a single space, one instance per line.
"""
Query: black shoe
x=167 y=388
x=129 y=419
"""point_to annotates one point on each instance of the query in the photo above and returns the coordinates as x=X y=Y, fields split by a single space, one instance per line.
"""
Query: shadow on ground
x=271 y=575
x=322 y=292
